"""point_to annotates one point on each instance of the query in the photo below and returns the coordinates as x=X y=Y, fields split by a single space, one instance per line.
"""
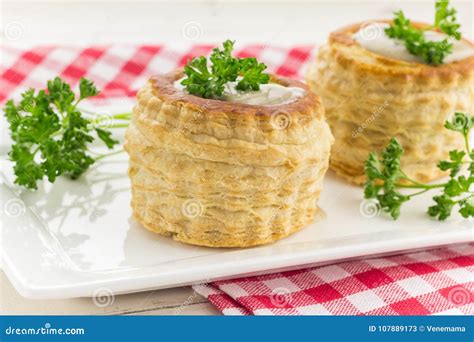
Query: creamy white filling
x=268 y=95
x=373 y=38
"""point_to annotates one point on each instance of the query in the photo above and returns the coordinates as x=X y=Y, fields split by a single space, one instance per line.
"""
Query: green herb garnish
x=51 y=136
x=207 y=79
x=386 y=178
x=432 y=52
x=445 y=19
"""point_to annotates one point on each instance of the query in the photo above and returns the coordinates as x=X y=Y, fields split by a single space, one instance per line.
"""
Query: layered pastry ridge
x=370 y=98
x=223 y=174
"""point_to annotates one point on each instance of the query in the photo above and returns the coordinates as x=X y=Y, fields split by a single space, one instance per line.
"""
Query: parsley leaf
x=50 y=135
x=445 y=19
x=454 y=164
x=388 y=170
x=432 y=52
x=87 y=89
x=385 y=177
x=207 y=79
x=252 y=74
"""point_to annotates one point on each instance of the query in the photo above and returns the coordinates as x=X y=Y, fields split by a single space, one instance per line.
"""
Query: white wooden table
x=99 y=22
x=177 y=301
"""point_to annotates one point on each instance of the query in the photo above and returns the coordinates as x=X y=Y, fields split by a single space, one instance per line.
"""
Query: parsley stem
x=405 y=176
x=119 y=125
x=74 y=106
x=418 y=193
x=119 y=116
x=109 y=154
x=420 y=186
x=466 y=140
x=122 y=116
x=461 y=200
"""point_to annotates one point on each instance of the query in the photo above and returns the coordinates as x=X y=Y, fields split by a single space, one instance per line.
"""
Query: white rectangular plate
x=75 y=237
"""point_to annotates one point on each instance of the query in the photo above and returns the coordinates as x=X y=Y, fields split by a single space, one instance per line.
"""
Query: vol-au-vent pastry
x=374 y=89
x=241 y=170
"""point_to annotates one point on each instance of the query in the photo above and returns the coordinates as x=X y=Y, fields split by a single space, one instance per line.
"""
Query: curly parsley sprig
x=207 y=78
x=385 y=177
x=51 y=136
x=445 y=19
x=432 y=52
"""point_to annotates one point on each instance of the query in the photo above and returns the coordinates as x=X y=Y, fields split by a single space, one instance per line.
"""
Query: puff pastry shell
x=221 y=174
x=370 y=98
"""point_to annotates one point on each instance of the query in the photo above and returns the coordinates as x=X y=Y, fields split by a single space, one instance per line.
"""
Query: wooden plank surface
x=177 y=301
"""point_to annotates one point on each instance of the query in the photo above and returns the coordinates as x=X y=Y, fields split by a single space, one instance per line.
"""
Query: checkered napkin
x=439 y=281
x=120 y=70
x=433 y=282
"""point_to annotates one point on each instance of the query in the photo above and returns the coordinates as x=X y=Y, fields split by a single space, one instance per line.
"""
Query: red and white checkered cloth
x=120 y=70
x=439 y=281
x=432 y=282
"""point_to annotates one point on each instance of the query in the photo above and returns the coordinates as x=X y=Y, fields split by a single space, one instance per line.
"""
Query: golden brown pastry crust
x=370 y=98
x=223 y=174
